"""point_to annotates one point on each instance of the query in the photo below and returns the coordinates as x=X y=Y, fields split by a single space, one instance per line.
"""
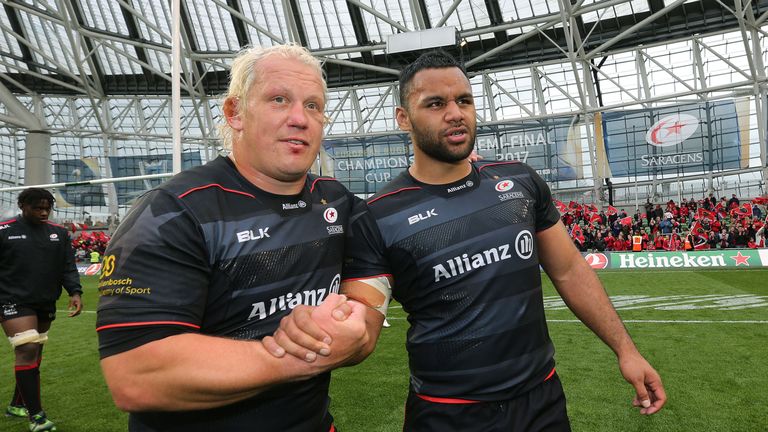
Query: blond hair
x=245 y=72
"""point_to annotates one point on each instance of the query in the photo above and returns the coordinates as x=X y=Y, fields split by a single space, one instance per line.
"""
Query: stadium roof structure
x=96 y=75
x=99 y=48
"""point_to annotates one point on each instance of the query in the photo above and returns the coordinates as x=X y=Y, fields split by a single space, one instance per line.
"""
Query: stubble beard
x=429 y=142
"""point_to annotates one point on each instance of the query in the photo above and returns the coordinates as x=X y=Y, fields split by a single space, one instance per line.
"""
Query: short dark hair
x=435 y=59
x=32 y=196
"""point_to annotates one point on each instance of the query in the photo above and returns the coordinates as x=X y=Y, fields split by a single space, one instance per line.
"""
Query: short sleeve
x=364 y=246
x=546 y=213
x=155 y=276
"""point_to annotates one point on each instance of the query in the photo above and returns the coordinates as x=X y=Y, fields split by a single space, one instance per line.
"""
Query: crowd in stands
x=88 y=237
x=708 y=223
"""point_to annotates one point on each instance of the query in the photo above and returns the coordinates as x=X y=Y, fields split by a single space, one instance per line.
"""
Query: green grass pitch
x=706 y=332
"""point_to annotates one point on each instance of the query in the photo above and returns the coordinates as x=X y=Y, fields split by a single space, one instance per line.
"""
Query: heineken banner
x=125 y=166
x=692 y=138
x=553 y=147
x=715 y=258
x=78 y=170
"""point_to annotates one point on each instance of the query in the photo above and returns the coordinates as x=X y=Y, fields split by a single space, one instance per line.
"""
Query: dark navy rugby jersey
x=209 y=252
x=36 y=260
x=465 y=266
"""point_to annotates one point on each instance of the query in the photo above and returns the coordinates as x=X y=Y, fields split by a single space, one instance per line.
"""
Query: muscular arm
x=582 y=291
x=192 y=371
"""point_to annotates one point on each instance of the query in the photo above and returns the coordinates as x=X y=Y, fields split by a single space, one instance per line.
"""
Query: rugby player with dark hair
x=459 y=245
x=36 y=260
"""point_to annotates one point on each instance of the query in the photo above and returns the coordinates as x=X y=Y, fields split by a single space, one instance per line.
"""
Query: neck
x=269 y=184
x=431 y=171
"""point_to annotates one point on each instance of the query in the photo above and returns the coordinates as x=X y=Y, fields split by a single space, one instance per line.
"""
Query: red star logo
x=741 y=259
x=675 y=128
x=331 y=214
x=505 y=184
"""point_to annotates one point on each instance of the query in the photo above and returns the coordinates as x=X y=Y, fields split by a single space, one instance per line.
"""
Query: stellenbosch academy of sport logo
x=672 y=129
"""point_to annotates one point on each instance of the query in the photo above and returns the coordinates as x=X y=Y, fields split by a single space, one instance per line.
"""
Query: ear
x=401 y=115
x=232 y=113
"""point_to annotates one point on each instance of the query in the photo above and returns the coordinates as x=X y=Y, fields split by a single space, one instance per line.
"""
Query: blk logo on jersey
x=244 y=236
x=330 y=215
x=524 y=244
x=421 y=216
x=504 y=185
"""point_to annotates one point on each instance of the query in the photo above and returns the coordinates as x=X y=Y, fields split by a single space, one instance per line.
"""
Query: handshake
x=331 y=335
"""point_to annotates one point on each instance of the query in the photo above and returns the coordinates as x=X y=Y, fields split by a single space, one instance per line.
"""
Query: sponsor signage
x=126 y=166
x=89 y=270
x=75 y=171
x=720 y=258
x=553 y=147
x=673 y=139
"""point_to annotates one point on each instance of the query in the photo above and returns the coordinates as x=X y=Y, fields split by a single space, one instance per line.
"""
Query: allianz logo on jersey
x=310 y=297
x=294 y=206
x=421 y=216
x=468 y=184
x=465 y=263
x=254 y=234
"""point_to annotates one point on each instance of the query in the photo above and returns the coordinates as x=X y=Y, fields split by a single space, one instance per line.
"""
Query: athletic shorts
x=44 y=311
x=540 y=410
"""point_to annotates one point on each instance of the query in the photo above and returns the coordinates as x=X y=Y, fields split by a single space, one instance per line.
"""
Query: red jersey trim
x=452 y=401
x=147 y=323
x=7 y=222
x=497 y=163
x=552 y=372
x=57 y=225
x=27 y=367
x=218 y=186
x=368 y=277
x=394 y=192
x=312 y=188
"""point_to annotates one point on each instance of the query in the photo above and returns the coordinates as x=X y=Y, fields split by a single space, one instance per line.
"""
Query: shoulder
x=400 y=187
x=213 y=175
x=57 y=228
x=325 y=184
x=7 y=223
x=504 y=168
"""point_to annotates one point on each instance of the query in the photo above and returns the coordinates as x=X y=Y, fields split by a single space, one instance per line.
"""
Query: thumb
x=642 y=399
x=330 y=304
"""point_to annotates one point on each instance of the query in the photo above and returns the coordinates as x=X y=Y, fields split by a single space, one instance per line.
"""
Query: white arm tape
x=382 y=285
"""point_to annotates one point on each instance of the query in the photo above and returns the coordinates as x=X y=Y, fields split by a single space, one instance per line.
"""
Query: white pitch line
x=676 y=321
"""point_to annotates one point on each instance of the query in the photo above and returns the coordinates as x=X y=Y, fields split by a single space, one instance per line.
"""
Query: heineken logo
x=698 y=259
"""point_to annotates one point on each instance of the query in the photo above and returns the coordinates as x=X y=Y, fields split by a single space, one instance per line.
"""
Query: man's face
x=440 y=114
x=36 y=213
x=279 y=136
